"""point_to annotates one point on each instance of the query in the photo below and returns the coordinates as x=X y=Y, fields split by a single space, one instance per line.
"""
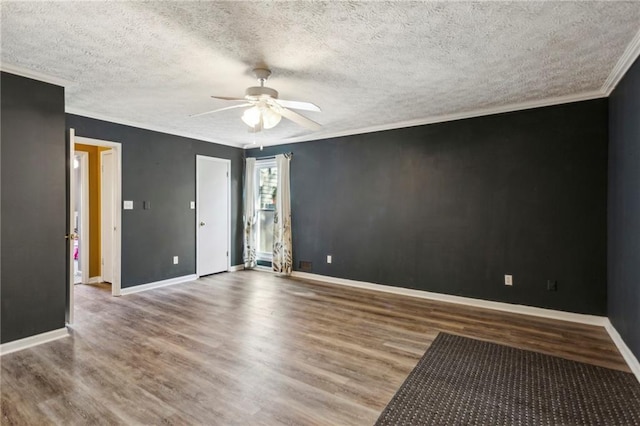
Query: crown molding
x=35 y=75
x=631 y=53
x=161 y=129
x=520 y=106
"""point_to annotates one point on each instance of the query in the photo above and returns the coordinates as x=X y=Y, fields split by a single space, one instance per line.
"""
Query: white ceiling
x=368 y=65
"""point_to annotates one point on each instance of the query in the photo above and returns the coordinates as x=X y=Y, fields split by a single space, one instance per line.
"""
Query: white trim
x=158 y=284
x=235 y=268
x=228 y=163
x=35 y=75
x=498 y=306
x=69 y=302
x=626 y=353
x=95 y=280
x=631 y=53
x=151 y=127
x=621 y=67
x=38 y=339
x=521 y=106
x=117 y=244
x=107 y=205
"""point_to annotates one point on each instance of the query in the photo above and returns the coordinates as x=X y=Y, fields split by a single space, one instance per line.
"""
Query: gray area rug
x=462 y=381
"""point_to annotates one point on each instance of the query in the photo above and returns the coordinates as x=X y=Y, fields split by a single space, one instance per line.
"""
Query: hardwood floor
x=253 y=348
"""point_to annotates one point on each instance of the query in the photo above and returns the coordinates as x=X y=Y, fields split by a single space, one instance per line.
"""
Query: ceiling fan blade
x=299 y=119
x=221 y=109
x=307 y=106
x=226 y=98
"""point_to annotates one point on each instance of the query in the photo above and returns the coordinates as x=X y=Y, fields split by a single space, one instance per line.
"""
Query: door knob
x=202 y=223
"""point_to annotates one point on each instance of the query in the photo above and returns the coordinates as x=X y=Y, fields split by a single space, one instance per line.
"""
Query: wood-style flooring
x=253 y=348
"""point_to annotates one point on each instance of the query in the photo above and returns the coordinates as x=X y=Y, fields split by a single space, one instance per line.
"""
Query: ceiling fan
x=266 y=109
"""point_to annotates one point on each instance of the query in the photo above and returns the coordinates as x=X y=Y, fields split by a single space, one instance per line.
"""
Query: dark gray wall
x=33 y=207
x=160 y=168
x=624 y=209
x=452 y=207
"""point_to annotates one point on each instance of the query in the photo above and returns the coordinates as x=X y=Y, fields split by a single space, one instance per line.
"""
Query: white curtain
x=282 y=252
x=249 y=217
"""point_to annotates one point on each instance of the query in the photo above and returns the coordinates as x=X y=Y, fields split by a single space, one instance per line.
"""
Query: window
x=266 y=186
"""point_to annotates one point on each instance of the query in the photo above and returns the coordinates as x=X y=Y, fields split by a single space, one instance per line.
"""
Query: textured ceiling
x=365 y=64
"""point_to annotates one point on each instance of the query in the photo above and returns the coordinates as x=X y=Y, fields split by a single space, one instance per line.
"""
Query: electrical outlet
x=175 y=260
x=552 y=285
x=328 y=258
x=508 y=280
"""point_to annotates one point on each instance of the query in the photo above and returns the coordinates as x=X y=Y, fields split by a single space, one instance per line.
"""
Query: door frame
x=84 y=213
x=104 y=231
x=262 y=164
x=68 y=312
x=117 y=203
x=197 y=222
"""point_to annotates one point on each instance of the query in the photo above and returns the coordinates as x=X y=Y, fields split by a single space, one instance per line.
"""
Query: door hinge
x=227 y=174
x=227 y=254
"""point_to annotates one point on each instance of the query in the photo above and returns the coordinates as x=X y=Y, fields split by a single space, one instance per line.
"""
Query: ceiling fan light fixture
x=251 y=116
x=266 y=109
x=270 y=118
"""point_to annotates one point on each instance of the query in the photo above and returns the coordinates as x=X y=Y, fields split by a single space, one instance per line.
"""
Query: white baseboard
x=38 y=339
x=157 y=284
x=498 y=306
x=95 y=280
x=626 y=353
x=235 y=268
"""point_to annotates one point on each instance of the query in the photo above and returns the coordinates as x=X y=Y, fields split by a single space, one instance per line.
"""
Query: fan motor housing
x=258 y=92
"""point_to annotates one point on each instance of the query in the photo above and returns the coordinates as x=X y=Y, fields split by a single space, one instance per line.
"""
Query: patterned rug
x=462 y=381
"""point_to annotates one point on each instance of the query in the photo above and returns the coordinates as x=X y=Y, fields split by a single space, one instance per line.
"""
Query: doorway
x=90 y=236
x=213 y=215
x=266 y=179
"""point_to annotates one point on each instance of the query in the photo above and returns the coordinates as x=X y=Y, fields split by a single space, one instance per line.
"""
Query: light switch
x=128 y=205
x=193 y=205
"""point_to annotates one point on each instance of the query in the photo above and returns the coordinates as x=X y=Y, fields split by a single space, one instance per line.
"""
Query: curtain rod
x=269 y=157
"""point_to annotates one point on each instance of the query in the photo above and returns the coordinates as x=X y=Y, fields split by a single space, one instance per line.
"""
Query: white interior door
x=80 y=189
x=71 y=235
x=212 y=215
x=107 y=214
